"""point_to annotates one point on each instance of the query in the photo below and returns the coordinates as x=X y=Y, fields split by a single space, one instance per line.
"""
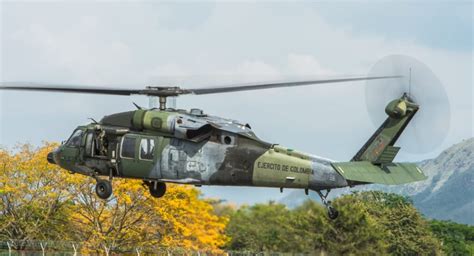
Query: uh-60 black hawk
x=191 y=147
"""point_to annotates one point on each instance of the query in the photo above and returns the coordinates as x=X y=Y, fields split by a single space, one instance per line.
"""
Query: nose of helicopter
x=52 y=157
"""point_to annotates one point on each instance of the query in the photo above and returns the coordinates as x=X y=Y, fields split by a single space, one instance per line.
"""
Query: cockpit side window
x=75 y=139
x=128 y=147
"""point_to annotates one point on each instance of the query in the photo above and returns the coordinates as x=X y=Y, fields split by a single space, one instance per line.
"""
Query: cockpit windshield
x=75 y=139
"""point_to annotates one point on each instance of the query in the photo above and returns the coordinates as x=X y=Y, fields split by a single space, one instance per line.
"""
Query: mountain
x=447 y=194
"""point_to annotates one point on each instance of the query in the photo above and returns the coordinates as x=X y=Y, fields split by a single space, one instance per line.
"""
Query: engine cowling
x=154 y=120
x=176 y=124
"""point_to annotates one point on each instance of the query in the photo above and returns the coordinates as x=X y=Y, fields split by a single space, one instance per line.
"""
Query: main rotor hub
x=164 y=91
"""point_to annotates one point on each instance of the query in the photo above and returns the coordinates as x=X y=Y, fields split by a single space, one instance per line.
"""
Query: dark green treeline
x=370 y=223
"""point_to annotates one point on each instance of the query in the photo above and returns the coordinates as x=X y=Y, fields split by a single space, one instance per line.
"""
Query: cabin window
x=147 y=149
x=75 y=140
x=128 y=147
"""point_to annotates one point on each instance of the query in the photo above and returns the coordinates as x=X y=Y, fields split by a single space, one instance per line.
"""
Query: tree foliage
x=32 y=199
x=39 y=201
x=370 y=223
x=261 y=227
x=457 y=239
x=405 y=229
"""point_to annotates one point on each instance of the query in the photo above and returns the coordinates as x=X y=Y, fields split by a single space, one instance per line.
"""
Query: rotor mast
x=162 y=102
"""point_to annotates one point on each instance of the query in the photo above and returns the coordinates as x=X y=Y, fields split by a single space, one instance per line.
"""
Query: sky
x=190 y=44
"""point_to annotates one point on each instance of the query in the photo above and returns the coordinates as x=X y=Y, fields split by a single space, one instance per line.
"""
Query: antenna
x=138 y=107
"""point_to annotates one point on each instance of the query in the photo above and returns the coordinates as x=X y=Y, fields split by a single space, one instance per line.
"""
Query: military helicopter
x=166 y=145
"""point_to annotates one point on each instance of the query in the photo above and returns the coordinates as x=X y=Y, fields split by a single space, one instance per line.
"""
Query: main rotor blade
x=28 y=86
x=172 y=91
x=260 y=86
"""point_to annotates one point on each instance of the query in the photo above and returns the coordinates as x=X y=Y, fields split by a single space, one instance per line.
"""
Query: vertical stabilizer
x=380 y=147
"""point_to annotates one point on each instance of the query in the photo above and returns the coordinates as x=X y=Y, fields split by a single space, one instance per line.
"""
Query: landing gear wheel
x=157 y=189
x=332 y=213
x=103 y=189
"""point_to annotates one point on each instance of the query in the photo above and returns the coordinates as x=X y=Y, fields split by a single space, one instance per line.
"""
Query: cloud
x=67 y=54
x=256 y=69
x=431 y=24
x=306 y=65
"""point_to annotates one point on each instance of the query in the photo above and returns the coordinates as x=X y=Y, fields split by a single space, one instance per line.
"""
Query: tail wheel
x=332 y=213
x=103 y=189
x=157 y=189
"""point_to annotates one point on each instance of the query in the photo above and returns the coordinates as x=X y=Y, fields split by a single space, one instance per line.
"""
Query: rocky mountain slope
x=447 y=194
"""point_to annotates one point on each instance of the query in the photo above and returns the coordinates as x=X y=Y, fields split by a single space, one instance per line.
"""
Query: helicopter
x=166 y=145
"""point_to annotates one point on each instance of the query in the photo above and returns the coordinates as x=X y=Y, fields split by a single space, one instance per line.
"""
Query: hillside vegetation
x=41 y=202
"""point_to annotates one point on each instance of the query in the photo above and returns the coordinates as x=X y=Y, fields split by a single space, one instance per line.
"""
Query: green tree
x=311 y=225
x=405 y=229
x=458 y=239
x=355 y=231
x=261 y=227
x=369 y=223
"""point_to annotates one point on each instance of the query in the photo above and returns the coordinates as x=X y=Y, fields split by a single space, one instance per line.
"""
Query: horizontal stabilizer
x=387 y=155
x=389 y=174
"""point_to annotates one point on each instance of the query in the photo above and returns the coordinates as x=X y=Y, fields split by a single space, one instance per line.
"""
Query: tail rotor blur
x=430 y=125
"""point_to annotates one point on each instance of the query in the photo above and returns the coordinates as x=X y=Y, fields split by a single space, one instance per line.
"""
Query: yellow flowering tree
x=34 y=197
x=40 y=201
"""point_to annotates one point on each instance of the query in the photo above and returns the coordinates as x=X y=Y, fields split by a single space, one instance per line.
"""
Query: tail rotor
x=430 y=125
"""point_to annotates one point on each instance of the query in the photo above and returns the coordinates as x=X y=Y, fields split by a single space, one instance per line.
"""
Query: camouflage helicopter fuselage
x=161 y=146
x=190 y=148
